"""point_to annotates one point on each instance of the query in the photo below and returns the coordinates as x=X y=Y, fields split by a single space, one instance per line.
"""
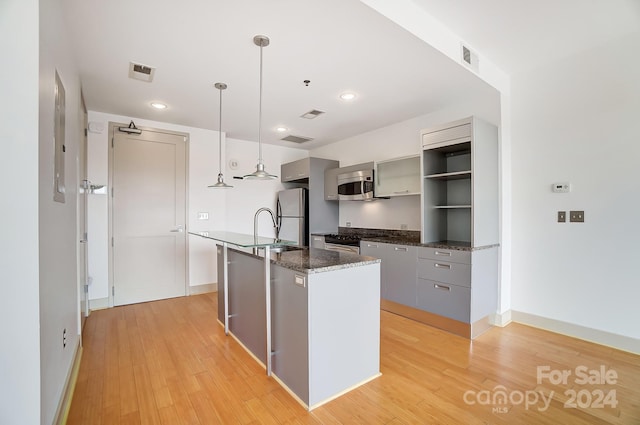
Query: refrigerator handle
x=278 y=218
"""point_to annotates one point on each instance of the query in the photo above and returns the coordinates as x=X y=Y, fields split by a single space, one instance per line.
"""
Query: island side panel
x=247 y=309
x=344 y=330
x=220 y=262
x=290 y=330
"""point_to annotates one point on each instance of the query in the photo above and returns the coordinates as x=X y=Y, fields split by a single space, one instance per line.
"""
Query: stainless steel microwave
x=355 y=186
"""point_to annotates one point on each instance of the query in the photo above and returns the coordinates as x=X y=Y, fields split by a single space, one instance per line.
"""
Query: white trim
x=203 y=289
x=64 y=404
x=597 y=336
x=99 y=304
x=501 y=319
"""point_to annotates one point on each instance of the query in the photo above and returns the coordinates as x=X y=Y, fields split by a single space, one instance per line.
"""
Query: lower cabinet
x=397 y=270
x=290 y=336
x=446 y=300
x=455 y=284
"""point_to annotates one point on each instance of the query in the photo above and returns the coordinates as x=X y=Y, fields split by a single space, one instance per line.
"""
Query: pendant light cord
x=220 y=136
x=260 y=112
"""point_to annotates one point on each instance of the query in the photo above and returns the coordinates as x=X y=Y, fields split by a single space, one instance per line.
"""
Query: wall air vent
x=137 y=71
x=469 y=58
x=296 y=139
x=314 y=113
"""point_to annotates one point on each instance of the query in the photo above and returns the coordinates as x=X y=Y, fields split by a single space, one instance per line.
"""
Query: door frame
x=113 y=128
x=83 y=219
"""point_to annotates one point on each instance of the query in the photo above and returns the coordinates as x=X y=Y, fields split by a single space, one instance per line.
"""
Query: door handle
x=178 y=229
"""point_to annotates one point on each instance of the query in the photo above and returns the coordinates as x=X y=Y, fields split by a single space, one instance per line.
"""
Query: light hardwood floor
x=169 y=362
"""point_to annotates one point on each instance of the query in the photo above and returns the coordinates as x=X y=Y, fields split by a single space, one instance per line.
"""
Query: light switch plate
x=576 y=216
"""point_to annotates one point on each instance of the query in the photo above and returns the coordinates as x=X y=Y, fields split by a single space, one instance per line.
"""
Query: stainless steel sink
x=285 y=248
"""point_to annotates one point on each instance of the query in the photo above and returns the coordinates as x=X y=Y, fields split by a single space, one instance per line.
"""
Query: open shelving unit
x=460 y=183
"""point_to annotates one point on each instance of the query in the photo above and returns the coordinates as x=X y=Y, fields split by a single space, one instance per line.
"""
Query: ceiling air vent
x=469 y=58
x=137 y=71
x=297 y=139
x=314 y=113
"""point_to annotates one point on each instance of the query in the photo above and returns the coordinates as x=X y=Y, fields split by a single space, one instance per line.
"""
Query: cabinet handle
x=443 y=253
x=318 y=239
x=288 y=177
x=443 y=287
x=370 y=245
x=401 y=248
x=402 y=191
x=442 y=266
x=300 y=174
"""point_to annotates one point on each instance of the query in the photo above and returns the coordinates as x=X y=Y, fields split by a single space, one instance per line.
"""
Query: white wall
x=59 y=308
x=19 y=303
x=248 y=195
x=576 y=121
x=401 y=139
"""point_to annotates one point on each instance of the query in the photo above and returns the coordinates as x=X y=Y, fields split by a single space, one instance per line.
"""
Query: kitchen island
x=315 y=327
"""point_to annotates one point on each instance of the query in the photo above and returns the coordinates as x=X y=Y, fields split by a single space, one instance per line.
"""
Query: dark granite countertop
x=408 y=237
x=312 y=260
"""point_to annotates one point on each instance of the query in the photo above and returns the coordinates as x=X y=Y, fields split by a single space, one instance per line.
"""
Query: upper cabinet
x=296 y=170
x=460 y=183
x=398 y=177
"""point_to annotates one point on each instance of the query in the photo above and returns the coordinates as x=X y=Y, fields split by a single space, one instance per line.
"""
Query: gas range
x=343 y=239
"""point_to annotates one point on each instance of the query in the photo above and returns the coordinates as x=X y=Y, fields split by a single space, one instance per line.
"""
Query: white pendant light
x=260 y=173
x=220 y=184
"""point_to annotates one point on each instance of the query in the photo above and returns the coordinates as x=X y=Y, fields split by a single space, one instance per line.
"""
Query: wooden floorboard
x=169 y=362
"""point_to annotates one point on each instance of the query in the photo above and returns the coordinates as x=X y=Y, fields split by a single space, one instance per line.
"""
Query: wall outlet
x=64 y=338
x=576 y=216
x=562 y=216
x=203 y=216
x=348 y=224
x=404 y=226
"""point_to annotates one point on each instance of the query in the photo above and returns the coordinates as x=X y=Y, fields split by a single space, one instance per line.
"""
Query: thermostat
x=561 y=187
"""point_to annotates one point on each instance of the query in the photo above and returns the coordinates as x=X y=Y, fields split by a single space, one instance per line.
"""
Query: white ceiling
x=340 y=45
x=519 y=35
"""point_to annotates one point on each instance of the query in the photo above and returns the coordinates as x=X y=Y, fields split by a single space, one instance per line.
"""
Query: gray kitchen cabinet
x=290 y=334
x=296 y=170
x=446 y=300
x=331 y=184
x=460 y=183
x=397 y=270
x=398 y=177
x=460 y=285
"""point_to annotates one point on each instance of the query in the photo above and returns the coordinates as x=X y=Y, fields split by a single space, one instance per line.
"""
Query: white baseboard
x=501 y=319
x=99 y=304
x=70 y=385
x=597 y=336
x=203 y=289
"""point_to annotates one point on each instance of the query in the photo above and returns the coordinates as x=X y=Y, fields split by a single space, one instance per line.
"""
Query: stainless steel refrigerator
x=293 y=211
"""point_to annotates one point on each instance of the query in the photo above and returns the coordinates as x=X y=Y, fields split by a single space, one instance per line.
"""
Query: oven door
x=342 y=248
x=355 y=186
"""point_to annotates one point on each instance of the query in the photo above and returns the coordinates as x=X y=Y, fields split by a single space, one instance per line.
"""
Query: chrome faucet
x=255 y=222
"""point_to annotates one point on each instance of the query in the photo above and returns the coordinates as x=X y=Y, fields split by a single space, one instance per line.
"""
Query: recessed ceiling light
x=158 y=105
x=281 y=129
x=347 y=96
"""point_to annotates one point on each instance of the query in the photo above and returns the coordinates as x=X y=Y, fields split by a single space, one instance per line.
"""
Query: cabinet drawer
x=445 y=300
x=452 y=133
x=444 y=271
x=448 y=255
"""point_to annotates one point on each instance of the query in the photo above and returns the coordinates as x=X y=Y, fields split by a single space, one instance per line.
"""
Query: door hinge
x=112 y=241
x=113 y=291
x=86 y=288
x=112 y=141
x=112 y=191
x=86 y=237
x=86 y=132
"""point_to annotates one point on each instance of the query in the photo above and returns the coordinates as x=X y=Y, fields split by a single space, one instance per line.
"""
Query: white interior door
x=148 y=214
